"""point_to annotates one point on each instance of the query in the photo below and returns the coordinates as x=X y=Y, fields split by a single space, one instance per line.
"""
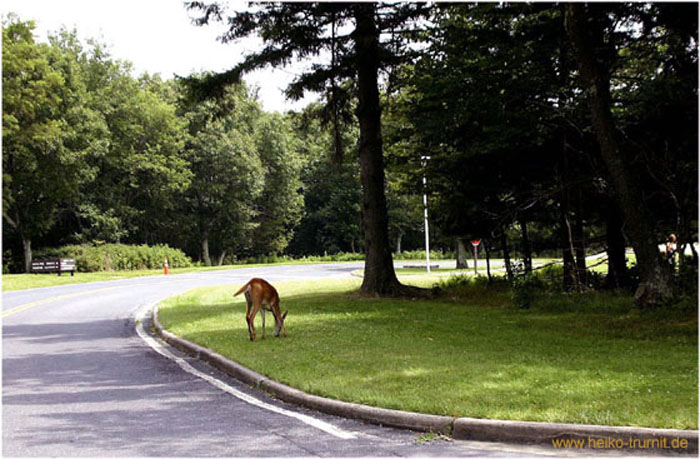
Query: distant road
x=79 y=381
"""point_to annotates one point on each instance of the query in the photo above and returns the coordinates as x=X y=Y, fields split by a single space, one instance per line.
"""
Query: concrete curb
x=592 y=436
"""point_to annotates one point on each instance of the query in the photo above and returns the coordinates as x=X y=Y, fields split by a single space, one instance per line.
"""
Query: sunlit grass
x=587 y=359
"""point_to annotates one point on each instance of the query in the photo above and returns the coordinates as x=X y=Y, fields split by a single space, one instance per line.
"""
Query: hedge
x=117 y=257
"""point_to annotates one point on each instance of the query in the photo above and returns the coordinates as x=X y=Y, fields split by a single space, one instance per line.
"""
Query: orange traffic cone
x=165 y=265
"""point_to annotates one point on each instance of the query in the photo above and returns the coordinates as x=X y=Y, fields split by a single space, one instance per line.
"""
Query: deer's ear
x=284 y=316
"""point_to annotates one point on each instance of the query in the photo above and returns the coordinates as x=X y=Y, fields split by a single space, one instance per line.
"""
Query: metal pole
x=425 y=214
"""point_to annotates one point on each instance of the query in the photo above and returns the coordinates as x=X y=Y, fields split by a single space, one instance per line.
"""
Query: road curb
x=593 y=436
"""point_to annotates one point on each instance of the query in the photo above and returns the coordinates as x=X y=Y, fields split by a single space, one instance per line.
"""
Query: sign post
x=475 y=244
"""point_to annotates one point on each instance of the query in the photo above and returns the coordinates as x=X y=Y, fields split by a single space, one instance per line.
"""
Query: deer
x=262 y=296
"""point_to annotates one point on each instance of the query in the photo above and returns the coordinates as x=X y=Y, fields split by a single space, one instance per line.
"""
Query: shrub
x=525 y=287
x=420 y=255
x=118 y=257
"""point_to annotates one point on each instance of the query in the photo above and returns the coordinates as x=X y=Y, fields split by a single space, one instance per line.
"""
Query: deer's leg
x=262 y=312
x=249 y=308
x=251 y=319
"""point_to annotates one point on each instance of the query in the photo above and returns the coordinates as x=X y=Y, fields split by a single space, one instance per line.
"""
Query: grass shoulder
x=591 y=359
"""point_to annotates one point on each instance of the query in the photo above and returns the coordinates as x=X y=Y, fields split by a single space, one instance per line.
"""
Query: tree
x=585 y=32
x=331 y=187
x=47 y=132
x=297 y=30
x=142 y=173
x=280 y=204
x=478 y=102
x=656 y=82
x=228 y=176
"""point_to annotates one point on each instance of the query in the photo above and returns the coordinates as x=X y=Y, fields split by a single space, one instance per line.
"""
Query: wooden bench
x=54 y=265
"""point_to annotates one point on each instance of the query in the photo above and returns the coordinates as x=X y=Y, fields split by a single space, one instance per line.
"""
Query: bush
x=340 y=256
x=525 y=287
x=118 y=257
x=420 y=255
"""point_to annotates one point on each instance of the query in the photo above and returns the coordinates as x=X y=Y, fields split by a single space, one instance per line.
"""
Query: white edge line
x=156 y=346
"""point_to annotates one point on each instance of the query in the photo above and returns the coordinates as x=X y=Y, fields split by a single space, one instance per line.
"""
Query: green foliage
x=525 y=287
x=280 y=204
x=420 y=255
x=49 y=131
x=228 y=172
x=142 y=174
x=332 y=191
x=337 y=257
x=118 y=257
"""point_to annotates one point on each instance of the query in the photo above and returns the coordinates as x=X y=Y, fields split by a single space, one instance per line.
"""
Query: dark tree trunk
x=615 y=240
x=579 y=241
x=379 y=276
x=567 y=251
x=655 y=287
x=461 y=254
x=487 y=249
x=567 y=247
x=526 y=247
x=27 y=248
x=205 y=249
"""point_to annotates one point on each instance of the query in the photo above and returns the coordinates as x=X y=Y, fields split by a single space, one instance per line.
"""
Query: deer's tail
x=243 y=289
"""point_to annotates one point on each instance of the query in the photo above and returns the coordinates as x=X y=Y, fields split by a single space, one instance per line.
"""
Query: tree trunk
x=567 y=252
x=221 y=258
x=487 y=249
x=526 y=248
x=205 y=249
x=615 y=241
x=654 y=287
x=379 y=276
x=398 y=243
x=570 y=280
x=27 y=248
x=462 y=262
x=579 y=241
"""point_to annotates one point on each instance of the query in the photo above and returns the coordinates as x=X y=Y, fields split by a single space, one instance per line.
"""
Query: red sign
x=476 y=242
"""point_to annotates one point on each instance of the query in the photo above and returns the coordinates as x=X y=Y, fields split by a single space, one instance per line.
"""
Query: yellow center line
x=24 y=307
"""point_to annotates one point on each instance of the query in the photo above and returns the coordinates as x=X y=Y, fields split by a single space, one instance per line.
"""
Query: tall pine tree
x=298 y=30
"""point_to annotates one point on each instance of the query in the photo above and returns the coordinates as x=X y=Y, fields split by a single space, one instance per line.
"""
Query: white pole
x=425 y=215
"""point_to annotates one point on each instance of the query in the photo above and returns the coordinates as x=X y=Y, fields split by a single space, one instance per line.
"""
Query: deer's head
x=279 y=324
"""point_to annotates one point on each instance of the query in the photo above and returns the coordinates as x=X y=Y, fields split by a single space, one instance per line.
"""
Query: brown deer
x=262 y=296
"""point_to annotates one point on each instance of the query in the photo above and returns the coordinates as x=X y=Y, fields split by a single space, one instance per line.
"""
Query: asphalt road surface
x=78 y=380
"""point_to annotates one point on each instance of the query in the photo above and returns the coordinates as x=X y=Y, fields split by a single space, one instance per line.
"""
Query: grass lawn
x=584 y=359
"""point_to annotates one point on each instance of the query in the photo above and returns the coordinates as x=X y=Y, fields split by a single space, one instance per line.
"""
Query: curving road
x=79 y=381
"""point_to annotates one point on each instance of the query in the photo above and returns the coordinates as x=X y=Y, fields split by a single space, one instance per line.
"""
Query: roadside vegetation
x=590 y=358
x=119 y=261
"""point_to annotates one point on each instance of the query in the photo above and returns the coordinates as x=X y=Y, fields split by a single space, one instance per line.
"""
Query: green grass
x=585 y=359
x=27 y=281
